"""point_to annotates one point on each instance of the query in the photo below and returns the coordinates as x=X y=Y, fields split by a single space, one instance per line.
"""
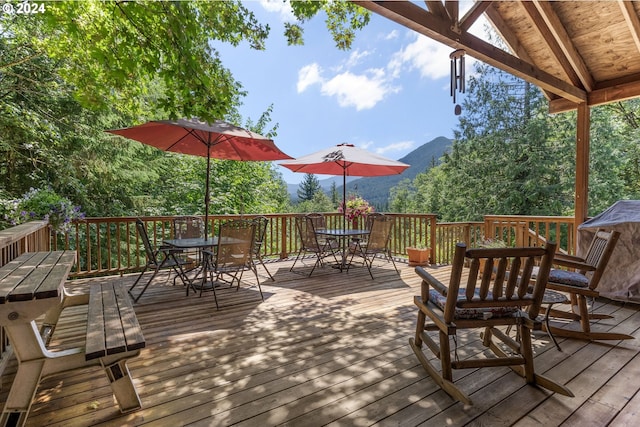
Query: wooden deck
x=330 y=349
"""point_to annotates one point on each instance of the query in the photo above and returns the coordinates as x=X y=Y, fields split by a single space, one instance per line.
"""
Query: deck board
x=331 y=349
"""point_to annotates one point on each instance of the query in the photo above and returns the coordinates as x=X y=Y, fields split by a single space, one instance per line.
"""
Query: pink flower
x=356 y=207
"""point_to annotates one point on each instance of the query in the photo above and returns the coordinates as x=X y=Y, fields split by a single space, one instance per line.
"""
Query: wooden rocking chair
x=580 y=281
x=501 y=296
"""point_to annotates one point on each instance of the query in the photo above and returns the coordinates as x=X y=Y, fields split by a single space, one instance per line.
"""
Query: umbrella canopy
x=220 y=140
x=345 y=160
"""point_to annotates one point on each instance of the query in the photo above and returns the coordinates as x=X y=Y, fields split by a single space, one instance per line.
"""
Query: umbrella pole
x=206 y=195
x=344 y=199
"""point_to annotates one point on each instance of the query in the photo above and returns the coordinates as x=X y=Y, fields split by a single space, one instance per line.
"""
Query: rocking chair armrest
x=572 y=262
x=429 y=280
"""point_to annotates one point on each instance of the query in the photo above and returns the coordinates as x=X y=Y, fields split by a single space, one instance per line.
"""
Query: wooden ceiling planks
x=574 y=51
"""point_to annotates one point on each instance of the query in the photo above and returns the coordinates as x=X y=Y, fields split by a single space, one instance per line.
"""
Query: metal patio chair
x=311 y=243
x=233 y=255
x=157 y=259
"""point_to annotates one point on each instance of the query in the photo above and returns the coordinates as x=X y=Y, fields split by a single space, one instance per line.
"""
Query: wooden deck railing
x=107 y=246
x=29 y=237
x=112 y=245
x=532 y=230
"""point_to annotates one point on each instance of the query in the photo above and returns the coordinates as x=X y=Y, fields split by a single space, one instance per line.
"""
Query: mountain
x=376 y=189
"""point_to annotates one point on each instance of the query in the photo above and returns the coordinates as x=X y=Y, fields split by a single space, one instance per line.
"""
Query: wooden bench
x=33 y=285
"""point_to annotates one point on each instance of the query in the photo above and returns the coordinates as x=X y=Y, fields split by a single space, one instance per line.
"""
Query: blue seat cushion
x=471 y=313
x=569 y=278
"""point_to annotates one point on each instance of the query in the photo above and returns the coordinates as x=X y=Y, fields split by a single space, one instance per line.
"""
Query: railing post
x=283 y=236
x=433 y=241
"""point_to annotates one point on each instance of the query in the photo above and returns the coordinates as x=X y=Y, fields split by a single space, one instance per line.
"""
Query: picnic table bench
x=32 y=285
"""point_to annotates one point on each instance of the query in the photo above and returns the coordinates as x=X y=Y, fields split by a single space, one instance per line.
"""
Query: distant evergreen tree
x=308 y=187
x=335 y=197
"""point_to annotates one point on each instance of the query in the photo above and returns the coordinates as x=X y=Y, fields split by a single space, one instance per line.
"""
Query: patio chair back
x=188 y=227
x=235 y=244
x=163 y=257
x=152 y=258
x=498 y=277
x=318 y=220
x=261 y=223
x=599 y=253
x=374 y=243
x=310 y=242
x=234 y=254
x=307 y=226
x=371 y=217
x=378 y=239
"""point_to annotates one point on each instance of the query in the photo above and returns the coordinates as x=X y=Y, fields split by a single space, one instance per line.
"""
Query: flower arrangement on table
x=356 y=207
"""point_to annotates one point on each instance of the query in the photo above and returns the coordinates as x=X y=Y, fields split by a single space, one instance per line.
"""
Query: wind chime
x=457 y=76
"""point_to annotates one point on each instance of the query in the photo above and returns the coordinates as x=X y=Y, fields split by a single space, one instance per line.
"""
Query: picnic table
x=32 y=285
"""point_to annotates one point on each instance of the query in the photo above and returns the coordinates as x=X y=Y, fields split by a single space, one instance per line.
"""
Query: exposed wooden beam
x=437 y=8
x=631 y=16
x=453 y=10
x=551 y=42
x=509 y=38
x=560 y=36
x=605 y=95
x=419 y=20
x=472 y=15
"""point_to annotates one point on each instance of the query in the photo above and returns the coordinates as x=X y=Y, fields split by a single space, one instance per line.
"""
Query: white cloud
x=360 y=91
x=392 y=35
x=429 y=57
x=365 y=145
x=356 y=58
x=396 y=146
x=282 y=8
x=353 y=85
x=307 y=76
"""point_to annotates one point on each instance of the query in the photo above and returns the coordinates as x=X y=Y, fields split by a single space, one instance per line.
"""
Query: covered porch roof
x=580 y=53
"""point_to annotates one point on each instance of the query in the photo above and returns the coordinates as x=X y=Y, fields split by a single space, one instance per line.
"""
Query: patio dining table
x=344 y=235
x=198 y=243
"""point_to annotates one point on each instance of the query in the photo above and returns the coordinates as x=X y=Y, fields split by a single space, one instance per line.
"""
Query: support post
x=582 y=167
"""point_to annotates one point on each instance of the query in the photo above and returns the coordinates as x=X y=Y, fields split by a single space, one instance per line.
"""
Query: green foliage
x=333 y=194
x=83 y=67
x=42 y=204
x=309 y=186
x=343 y=18
x=114 y=52
x=320 y=202
x=511 y=157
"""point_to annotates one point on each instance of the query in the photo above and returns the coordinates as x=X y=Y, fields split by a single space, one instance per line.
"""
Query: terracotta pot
x=418 y=256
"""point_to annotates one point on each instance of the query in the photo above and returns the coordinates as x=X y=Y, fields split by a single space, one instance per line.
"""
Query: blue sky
x=389 y=94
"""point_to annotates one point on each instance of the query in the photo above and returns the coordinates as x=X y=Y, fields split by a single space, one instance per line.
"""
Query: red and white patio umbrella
x=345 y=160
x=219 y=140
